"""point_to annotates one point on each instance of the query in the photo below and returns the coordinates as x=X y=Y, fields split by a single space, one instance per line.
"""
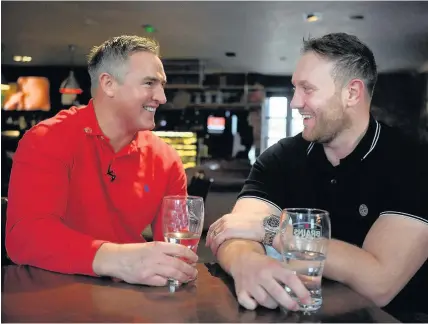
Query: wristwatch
x=271 y=226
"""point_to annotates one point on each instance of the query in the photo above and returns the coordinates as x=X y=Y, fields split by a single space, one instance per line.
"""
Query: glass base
x=301 y=316
x=173 y=285
x=315 y=303
x=312 y=307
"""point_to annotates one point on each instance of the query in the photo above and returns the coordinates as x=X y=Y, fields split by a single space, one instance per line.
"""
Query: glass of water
x=183 y=220
x=304 y=235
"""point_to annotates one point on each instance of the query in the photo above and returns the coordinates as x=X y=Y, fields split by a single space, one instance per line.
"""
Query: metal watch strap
x=271 y=227
x=268 y=239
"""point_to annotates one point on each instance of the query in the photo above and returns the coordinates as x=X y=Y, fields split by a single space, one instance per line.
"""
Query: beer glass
x=304 y=236
x=183 y=220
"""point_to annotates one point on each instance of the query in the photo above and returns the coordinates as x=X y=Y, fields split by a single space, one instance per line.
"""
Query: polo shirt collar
x=92 y=128
x=90 y=122
x=362 y=150
x=367 y=143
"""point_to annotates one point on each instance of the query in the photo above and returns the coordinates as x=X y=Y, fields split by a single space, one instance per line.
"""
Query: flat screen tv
x=216 y=125
x=28 y=93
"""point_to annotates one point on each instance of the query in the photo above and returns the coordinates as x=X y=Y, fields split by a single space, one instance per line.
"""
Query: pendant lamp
x=70 y=88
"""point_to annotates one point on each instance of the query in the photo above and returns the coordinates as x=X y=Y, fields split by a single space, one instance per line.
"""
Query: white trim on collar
x=375 y=139
x=374 y=142
x=310 y=147
x=397 y=213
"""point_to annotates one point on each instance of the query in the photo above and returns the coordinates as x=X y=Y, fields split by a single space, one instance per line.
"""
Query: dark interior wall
x=399 y=99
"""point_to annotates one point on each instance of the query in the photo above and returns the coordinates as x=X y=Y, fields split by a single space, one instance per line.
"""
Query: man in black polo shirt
x=371 y=179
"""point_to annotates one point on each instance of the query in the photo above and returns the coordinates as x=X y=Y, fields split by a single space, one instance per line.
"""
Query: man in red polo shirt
x=85 y=183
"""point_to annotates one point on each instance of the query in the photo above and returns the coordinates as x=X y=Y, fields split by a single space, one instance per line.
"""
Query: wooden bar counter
x=34 y=295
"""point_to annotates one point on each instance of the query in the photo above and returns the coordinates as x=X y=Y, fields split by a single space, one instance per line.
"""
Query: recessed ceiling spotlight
x=356 y=17
x=312 y=17
x=230 y=54
x=19 y=58
x=282 y=58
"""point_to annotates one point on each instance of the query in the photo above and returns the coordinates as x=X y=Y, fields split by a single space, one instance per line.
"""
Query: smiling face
x=318 y=99
x=140 y=92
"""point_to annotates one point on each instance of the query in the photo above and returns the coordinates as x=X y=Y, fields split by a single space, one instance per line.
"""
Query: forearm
x=234 y=249
x=105 y=262
x=356 y=268
x=49 y=244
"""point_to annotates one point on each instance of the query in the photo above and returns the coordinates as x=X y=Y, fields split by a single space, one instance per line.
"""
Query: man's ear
x=355 y=92
x=107 y=84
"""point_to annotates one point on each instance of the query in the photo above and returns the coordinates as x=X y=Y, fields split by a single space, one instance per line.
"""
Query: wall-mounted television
x=28 y=93
x=216 y=125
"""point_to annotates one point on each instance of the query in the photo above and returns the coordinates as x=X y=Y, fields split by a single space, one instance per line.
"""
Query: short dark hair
x=352 y=58
x=111 y=55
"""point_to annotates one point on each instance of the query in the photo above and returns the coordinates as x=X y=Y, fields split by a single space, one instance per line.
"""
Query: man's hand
x=146 y=263
x=248 y=226
x=260 y=280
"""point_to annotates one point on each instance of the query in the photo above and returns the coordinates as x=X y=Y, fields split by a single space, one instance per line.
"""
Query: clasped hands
x=247 y=226
x=259 y=279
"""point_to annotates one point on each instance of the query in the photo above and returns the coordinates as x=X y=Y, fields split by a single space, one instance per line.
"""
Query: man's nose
x=160 y=96
x=297 y=101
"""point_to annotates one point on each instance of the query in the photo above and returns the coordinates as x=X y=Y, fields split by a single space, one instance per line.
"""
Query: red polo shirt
x=63 y=204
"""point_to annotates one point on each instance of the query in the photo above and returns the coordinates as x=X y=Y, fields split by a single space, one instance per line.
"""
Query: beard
x=330 y=121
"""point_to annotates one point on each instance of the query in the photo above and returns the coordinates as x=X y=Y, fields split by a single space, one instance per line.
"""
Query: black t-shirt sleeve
x=407 y=194
x=269 y=173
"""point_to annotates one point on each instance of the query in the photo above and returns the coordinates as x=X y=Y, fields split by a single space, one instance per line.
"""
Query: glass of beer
x=183 y=221
x=304 y=235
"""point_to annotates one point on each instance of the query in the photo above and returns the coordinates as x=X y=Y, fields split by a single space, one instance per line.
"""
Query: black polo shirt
x=386 y=173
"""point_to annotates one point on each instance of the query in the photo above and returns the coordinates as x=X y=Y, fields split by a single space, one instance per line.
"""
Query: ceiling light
x=70 y=88
x=70 y=85
x=312 y=17
x=19 y=58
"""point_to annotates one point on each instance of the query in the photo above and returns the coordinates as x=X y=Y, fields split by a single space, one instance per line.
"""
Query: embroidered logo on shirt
x=146 y=188
x=364 y=210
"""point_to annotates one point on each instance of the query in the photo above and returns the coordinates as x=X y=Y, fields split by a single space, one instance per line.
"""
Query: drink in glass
x=183 y=220
x=190 y=240
x=304 y=235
